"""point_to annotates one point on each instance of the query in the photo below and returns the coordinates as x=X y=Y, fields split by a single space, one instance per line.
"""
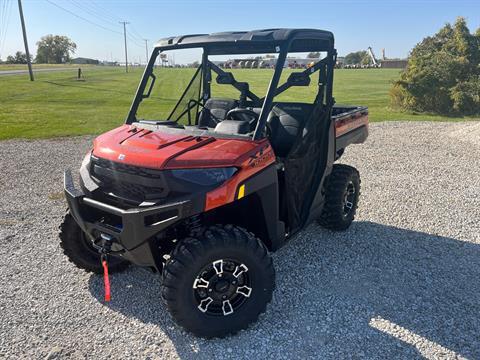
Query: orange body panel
x=255 y=162
x=344 y=125
x=161 y=150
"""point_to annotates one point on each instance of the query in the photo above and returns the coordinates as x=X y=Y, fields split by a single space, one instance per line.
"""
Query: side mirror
x=298 y=79
x=225 y=78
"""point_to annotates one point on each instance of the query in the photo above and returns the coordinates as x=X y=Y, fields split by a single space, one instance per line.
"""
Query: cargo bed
x=351 y=125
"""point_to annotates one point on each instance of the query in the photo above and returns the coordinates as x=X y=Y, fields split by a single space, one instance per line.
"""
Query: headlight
x=205 y=177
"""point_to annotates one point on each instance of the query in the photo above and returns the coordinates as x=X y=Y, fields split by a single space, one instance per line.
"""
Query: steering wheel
x=241 y=113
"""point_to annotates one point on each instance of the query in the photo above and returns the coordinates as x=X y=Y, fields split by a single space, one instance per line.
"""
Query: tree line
x=51 y=49
x=443 y=74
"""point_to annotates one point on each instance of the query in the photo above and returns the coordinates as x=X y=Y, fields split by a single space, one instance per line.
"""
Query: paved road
x=21 y=72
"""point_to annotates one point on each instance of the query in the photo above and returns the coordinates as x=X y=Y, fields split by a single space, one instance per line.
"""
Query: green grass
x=56 y=104
x=38 y=66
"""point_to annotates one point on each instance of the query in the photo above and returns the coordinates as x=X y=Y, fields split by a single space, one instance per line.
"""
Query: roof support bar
x=132 y=114
x=286 y=85
x=237 y=85
x=267 y=102
x=194 y=77
x=206 y=76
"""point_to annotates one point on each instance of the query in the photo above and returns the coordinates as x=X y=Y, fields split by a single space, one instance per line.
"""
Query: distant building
x=265 y=62
x=108 y=63
x=297 y=63
x=394 y=64
x=83 y=61
x=248 y=63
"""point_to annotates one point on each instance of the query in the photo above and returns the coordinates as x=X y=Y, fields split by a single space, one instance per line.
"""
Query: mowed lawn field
x=38 y=66
x=57 y=104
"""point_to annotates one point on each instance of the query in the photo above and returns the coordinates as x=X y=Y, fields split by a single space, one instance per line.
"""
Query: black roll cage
x=324 y=94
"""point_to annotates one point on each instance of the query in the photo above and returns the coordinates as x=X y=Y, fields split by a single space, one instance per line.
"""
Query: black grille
x=127 y=169
x=126 y=183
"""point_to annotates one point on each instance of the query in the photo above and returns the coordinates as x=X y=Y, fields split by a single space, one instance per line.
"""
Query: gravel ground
x=403 y=281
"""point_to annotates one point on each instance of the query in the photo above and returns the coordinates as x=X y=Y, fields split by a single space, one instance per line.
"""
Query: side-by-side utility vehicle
x=203 y=194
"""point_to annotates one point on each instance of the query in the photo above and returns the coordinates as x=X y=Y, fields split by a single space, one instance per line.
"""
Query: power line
x=137 y=42
x=136 y=33
x=84 y=8
x=94 y=11
x=3 y=14
x=84 y=19
x=4 y=22
x=103 y=10
x=135 y=37
x=134 y=41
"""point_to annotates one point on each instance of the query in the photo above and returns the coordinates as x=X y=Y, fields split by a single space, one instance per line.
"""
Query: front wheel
x=218 y=283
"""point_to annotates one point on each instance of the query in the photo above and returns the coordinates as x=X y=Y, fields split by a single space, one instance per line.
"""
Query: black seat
x=215 y=111
x=284 y=122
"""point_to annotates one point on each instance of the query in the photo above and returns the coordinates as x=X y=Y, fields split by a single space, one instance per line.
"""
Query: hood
x=160 y=150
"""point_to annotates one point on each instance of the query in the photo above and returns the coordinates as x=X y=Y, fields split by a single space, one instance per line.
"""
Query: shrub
x=443 y=74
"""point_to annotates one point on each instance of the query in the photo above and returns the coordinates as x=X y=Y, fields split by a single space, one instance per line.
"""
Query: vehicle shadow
x=373 y=291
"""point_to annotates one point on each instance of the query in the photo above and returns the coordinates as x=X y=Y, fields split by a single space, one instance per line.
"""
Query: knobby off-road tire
x=81 y=253
x=197 y=260
x=341 y=198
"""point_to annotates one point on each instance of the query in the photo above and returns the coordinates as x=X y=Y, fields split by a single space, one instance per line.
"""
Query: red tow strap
x=106 y=280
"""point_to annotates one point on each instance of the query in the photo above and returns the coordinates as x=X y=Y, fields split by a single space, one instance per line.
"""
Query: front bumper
x=131 y=229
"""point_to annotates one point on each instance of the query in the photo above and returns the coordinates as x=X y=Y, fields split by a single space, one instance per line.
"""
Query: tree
x=313 y=55
x=19 y=58
x=54 y=49
x=366 y=58
x=443 y=73
x=355 y=58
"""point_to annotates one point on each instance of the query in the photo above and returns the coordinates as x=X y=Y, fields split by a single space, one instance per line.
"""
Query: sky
x=93 y=25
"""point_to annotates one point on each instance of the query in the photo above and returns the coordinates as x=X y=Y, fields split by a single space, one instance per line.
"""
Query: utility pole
x=146 y=50
x=25 y=40
x=125 y=40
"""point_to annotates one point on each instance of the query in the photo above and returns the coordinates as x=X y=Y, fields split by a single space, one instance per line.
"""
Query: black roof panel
x=244 y=42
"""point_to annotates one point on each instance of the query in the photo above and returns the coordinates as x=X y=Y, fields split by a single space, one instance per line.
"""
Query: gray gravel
x=403 y=281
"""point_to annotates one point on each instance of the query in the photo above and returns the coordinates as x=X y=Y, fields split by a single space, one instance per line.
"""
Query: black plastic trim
x=265 y=185
x=136 y=223
x=355 y=136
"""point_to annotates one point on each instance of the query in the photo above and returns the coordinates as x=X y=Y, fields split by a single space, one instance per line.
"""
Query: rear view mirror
x=225 y=78
x=298 y=79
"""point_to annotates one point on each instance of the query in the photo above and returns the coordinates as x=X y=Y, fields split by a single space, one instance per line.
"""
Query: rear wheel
x=218 y=283
x=341 y=198
x=80 y=251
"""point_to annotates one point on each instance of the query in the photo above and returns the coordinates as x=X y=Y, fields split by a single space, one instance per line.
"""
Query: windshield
x=222 y=94
x=177 y=93
x=174 y=93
